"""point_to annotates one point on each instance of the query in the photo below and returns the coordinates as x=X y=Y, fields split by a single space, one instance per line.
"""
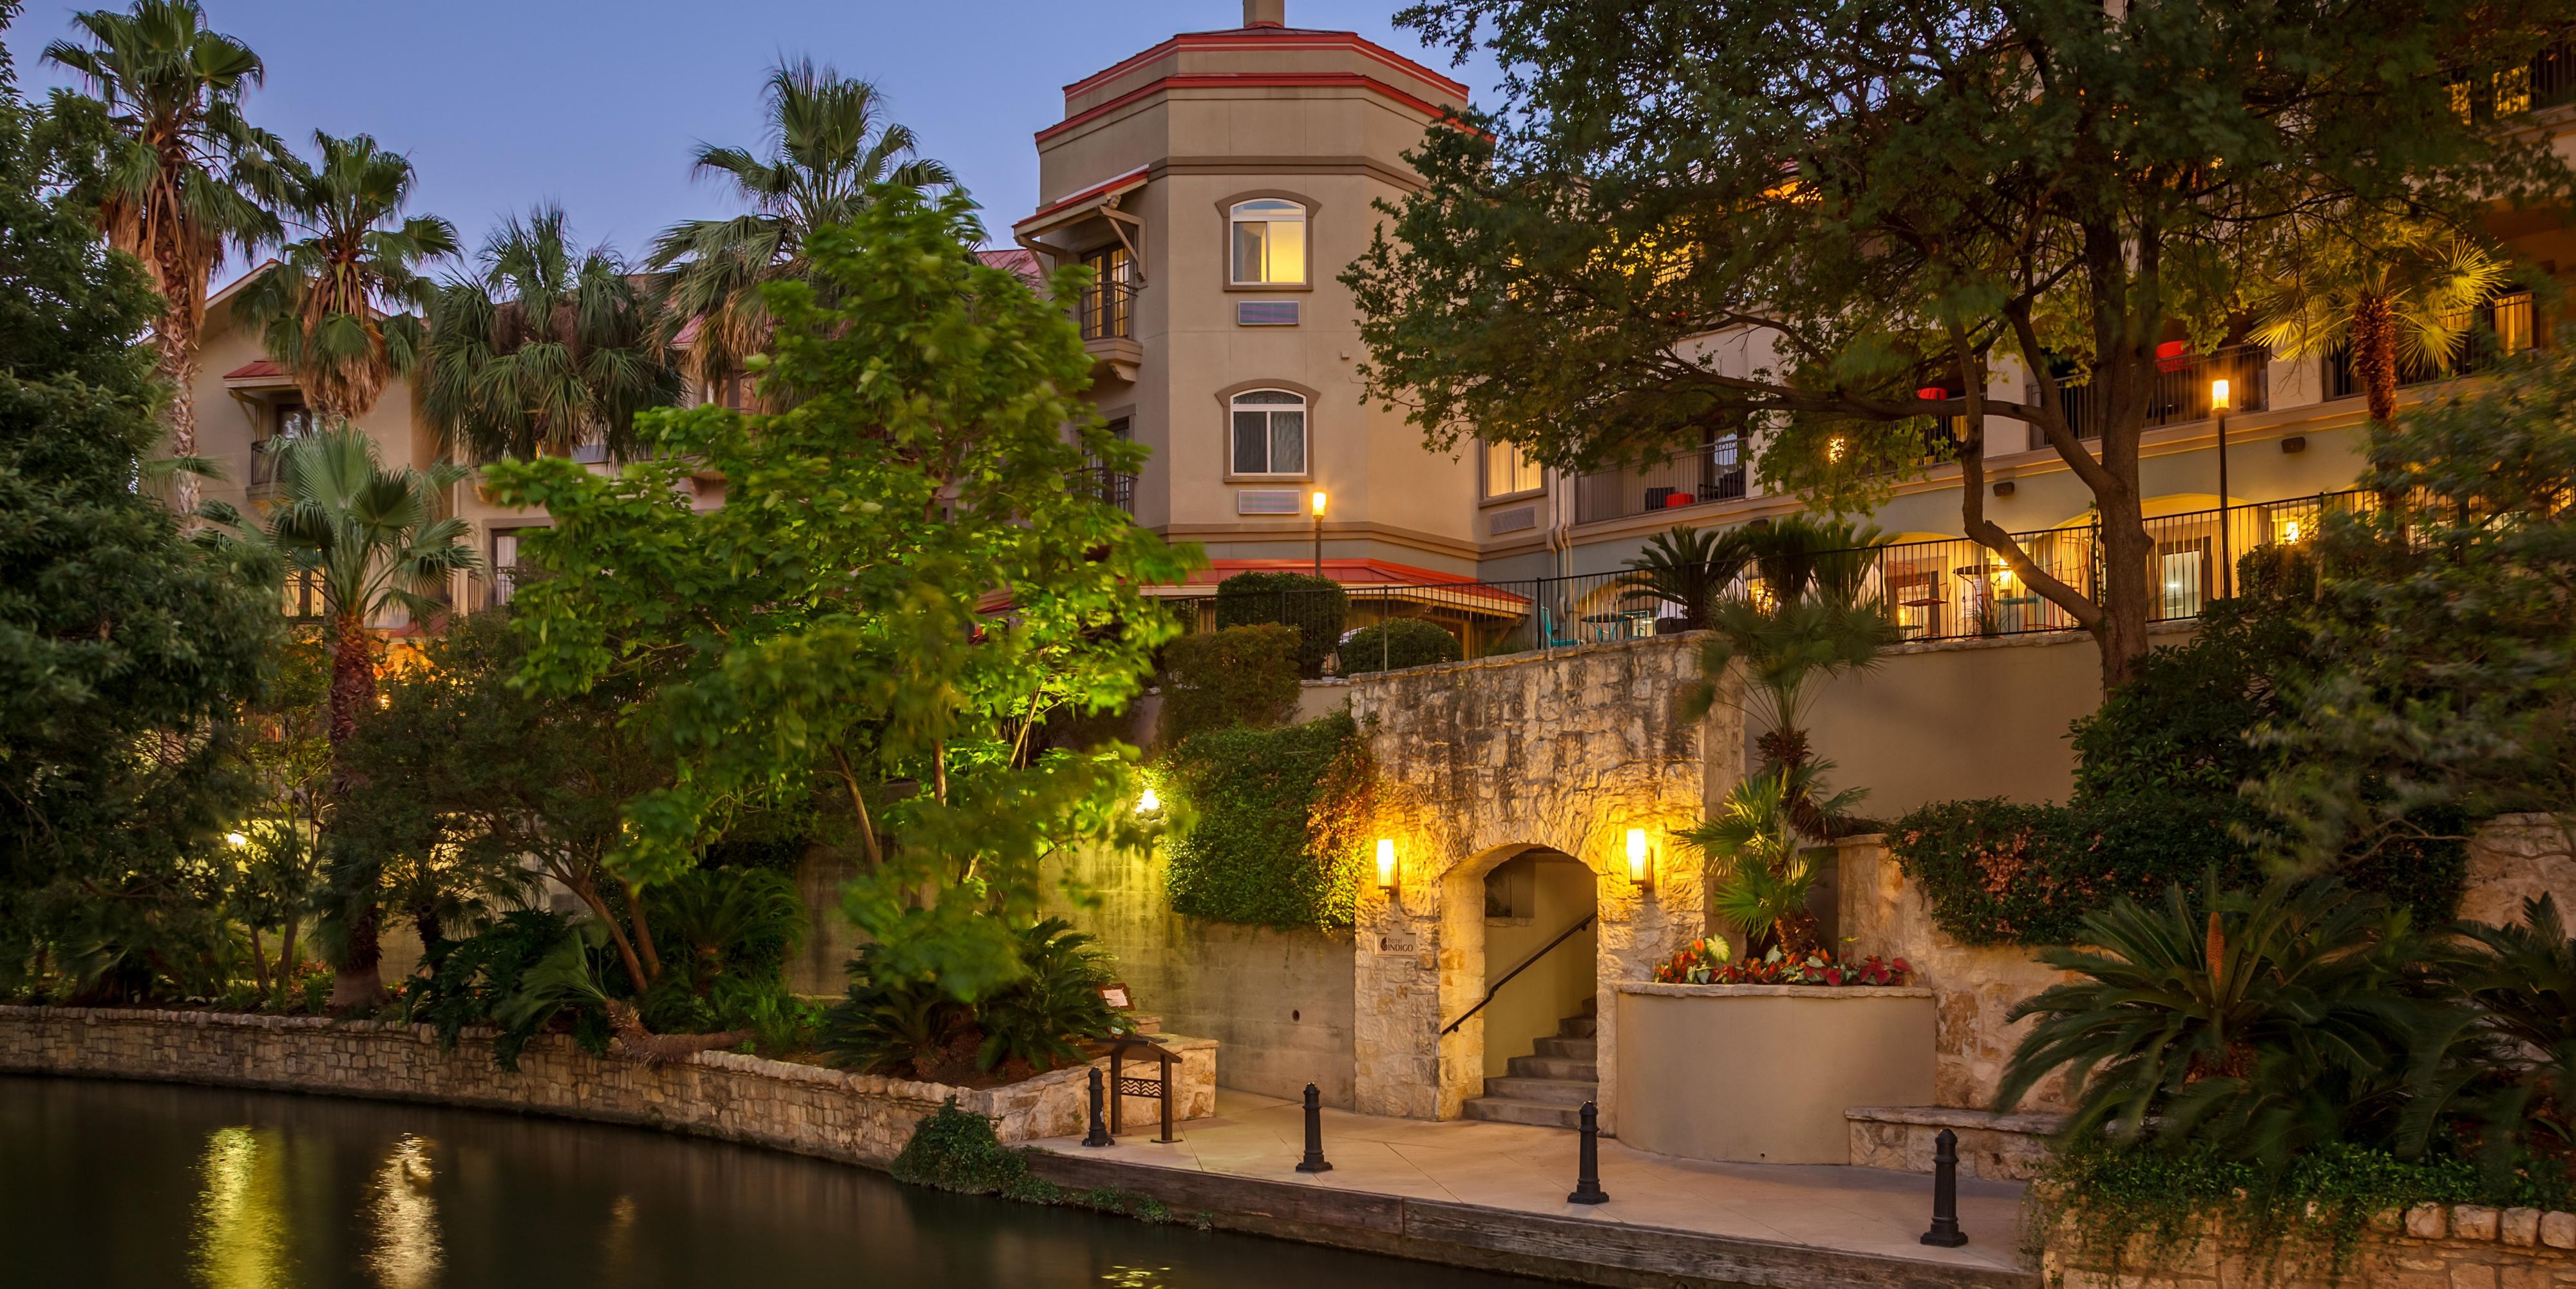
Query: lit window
x=505 y=567
x=2512 y=316
x=1269 y=432
x=1269 y=243
x=1508 y=471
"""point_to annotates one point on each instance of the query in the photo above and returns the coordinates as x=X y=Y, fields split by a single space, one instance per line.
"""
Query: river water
x=127 y=1185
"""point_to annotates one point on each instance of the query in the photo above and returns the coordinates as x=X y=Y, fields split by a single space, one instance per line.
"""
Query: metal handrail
x=1526 y=964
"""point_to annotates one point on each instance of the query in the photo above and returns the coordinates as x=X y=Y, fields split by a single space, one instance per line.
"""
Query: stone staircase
x=1548 y=1087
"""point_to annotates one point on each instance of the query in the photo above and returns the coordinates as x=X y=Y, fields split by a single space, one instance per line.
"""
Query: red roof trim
x=1268 y=37
x=1132 y=179
x=1221 y=80
x=254 y=370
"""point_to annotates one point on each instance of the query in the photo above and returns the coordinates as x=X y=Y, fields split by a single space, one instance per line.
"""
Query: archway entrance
x=1541 y=955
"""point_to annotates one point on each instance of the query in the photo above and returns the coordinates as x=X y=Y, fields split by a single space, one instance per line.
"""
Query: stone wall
x=1480 y=761
x=1977 y=986
x=858 y=1118
x=1279 y=1000
x=2431 y=1246
x=2518 y=857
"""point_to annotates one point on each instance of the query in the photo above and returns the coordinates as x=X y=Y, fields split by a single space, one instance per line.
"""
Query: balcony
x=1106 y=312
x=2181 y=392
x=1699 y=476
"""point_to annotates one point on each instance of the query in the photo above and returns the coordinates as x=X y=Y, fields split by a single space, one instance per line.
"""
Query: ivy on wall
x=1269 y=823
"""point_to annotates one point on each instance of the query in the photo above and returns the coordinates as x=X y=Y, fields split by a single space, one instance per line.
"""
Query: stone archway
x=1567 y=750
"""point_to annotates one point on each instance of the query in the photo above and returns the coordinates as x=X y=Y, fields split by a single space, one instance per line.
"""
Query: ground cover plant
x=1266 y=825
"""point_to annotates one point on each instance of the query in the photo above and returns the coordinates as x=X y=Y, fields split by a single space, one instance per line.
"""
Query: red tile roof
x=256 y=370
x=1017 y=260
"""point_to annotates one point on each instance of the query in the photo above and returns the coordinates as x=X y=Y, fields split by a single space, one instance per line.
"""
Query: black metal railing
x=2496 y=330
x=1944 y=589
x=2182 y=391
x=1526 y=964
x=1691 y=477
x=1107 y=311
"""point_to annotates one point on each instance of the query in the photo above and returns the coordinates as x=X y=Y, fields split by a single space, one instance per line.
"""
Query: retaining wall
x=2430 y=1246
x=857 y=1118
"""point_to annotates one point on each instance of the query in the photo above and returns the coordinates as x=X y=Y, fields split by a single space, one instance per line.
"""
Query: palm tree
x=170 y=190
x=2399 y=291
x=548 y=349
x=827 y=149
x=1762 y=873
x=371 y=540
x=1807 y=618
x=1686 y=568
x=324 y=309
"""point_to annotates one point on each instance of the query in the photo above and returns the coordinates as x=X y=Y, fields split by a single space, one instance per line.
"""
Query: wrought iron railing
x=1691 y=477
x=2183 y=387
x=1107 y=311
x=1945 y=589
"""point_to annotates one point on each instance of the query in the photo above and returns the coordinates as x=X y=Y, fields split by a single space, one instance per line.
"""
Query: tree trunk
x=652 y=1048
x=258 y=963
x=176 y=339
x=358 y=980
x=2374 y=355
x=2128 y=559
x=431 y=928
x=287 y=967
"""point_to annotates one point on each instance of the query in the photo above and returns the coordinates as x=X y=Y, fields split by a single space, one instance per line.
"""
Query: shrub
x=888 y=1024
x=2005 y=872
x=1250 y=798
x=1037 y=1021
x=488 y=979
x=1315 y=606
x=955 y=1151
x=1230 y=676
x=1396 y=644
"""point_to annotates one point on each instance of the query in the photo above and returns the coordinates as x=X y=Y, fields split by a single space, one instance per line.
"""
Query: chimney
x=1265 y=13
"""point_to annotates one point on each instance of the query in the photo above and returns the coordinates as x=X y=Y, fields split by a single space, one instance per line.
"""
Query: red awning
x=262 y=369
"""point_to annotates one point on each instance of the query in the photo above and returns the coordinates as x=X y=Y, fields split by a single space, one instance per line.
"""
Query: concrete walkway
x=1527 y=1169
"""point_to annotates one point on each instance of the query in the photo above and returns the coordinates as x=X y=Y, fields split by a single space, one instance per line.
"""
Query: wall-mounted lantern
x=1149 y=803
x=1641 y=861
x=1386 y=863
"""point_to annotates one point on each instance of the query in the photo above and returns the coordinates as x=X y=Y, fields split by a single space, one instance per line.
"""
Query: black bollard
x=1945 y=1230
x=1587 y=1179
x=1314 y=1160
x=1099 y=1130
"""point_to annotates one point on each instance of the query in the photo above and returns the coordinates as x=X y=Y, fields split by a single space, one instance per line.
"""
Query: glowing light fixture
x=1318 y=501
x=1835 y=447
x=2291 y=532
x=2218 y=399
x=1641 y=865
x=235 y=839
x=1386 y=862
x=1149 y=803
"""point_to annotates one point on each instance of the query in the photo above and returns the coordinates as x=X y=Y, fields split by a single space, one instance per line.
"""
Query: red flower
x=1833 y=975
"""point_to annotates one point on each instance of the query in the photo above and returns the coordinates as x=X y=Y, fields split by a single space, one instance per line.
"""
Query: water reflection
x=241 y=1221
x=124 y=1185
x=404 y=1218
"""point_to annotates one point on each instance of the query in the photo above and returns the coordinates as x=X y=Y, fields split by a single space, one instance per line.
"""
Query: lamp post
x=1319 y=532
x=2218 y=400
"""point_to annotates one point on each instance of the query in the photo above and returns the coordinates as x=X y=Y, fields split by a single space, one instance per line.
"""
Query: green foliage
x=1229 y=676
x=1248 y=798
x=2445 y=656
x=2512 y=1065
x=2007 y=872
x=1809 y=619
x=125 y=654
x=1316 y=606
x=891 y=1024
x=1395 y=644
x=1761 y=874
x=1888 y=220
x=952 y=1150
x=2259 y=1025
x=1687 y=568
x=825 y=631
x=483 y=978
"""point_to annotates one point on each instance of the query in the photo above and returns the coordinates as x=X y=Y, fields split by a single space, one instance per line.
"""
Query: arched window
x=1269 y=242
x=1269 y=432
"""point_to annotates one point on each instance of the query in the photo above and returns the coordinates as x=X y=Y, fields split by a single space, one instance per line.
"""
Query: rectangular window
x=1269 y=243
x=1269 y=433
x=2513 y=322
x=1106 y=309
x=1510 y=471
x=2182 y=575
x=505 y=567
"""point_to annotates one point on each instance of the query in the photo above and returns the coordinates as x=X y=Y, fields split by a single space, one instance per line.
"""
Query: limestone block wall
x=2431 y=1246
x=2519 y=857
x=857 y=1118
x=1479 y=761
x=1975 y=986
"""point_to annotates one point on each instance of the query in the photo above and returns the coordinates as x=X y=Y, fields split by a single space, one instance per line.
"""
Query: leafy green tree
x=1791 y=218
x=335 y=309
x=371 y=541
x=547 y=349
x=124 y=651
x=277 y=843
x=461 y=761
x=2443 y=682
x=1396 y=643
x=898 y=592
x=1215 y=680
x=170 y=188
x=830 y=148
x=1806 y=617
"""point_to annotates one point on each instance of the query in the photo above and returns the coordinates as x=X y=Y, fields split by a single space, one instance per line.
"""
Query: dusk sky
x=597 y=104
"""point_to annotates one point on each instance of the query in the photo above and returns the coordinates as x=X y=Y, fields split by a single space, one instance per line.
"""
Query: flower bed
x=1706 y=962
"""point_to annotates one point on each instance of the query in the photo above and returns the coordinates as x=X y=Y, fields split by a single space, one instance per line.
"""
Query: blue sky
x=597 y=103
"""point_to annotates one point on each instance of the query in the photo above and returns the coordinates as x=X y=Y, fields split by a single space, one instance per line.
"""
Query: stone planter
x=1764 y=1073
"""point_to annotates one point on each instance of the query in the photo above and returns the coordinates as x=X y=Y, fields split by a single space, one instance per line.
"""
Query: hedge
x=1231 y=676
x=1316 y=606
x=1270 y=823
x=1395 y=644
x=2003 y=872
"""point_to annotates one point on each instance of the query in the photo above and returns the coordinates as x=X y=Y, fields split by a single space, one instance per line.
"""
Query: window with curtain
x=1269 y=432
x=1269 y=243
x=1510 y=471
